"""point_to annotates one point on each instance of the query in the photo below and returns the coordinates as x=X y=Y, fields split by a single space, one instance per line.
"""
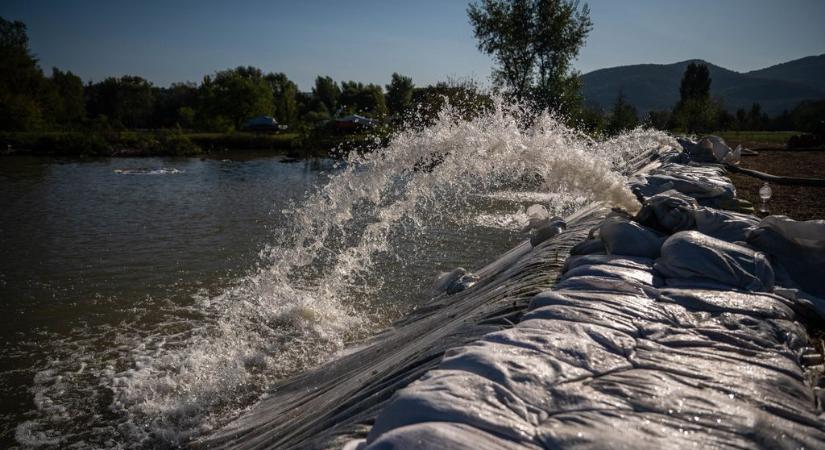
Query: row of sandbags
x=662 y=332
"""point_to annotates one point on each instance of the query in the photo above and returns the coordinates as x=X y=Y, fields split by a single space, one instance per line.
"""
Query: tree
x=399 y=94
x=284 y=97
x=624 y=116
x=696 y=112
x=128 y=100
x=174 y=105
x=533 y=43
x=695 y=83
x=71 y=108
x=658 y=119
x=232 y=96
x=326 y=91
x=756 y=119
x=593 y=120
x=463 y=95
x=21 y=81
x=362 y=99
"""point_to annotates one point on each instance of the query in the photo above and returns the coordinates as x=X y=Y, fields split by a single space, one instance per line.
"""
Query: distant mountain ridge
x=656 y=86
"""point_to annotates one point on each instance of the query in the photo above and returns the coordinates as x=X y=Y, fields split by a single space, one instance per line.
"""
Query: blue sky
x=367 y=40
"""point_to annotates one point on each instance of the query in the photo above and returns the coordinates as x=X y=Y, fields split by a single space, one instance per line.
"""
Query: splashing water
x=318 y=284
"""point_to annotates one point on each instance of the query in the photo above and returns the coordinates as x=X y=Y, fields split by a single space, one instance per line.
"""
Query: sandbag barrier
x=665 y=330
x=338 y=402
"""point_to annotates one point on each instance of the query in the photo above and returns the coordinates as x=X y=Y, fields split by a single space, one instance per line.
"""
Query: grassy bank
x=174 y=143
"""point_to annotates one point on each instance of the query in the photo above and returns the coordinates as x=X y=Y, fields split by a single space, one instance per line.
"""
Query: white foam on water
x=148 y=171
x=314 y=290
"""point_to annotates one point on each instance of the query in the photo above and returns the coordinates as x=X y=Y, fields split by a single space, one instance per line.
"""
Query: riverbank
x=176 y=143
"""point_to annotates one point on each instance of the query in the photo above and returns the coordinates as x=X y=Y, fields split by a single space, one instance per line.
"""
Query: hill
x=656 y=86
x=809 y=70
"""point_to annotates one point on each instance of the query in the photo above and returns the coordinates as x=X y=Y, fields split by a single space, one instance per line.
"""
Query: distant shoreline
x=173 y=143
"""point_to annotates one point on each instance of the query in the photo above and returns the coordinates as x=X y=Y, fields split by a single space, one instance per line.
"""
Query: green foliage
x=357 y=98
x=696 y=112
x=70 y=101
x=399 y=94
x=696 y=116
x=22 y=84
x=695 y=83
x=327 y=92
x=659 y=120
x=128 y=101
x=464 y=96
x=231 y=96
x=592 y=120
x=285 y=98
x=623 y=117
x=810 y=117
x=533 y=43
x=175 y=106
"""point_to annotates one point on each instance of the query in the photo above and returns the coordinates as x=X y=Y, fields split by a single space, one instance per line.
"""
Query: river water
x=147 y=301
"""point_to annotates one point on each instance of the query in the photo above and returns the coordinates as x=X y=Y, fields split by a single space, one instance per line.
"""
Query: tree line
x=533 y=43
x=698 y=112
x=32 y=101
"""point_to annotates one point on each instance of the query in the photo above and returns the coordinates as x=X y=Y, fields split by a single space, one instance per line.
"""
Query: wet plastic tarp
x=692 y=255
x=672 y=211
x=688 y=350
x=798 y=247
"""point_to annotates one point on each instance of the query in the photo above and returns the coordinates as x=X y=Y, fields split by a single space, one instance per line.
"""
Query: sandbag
x=631 y=262
x=672 y=211
x=693 y=255
x=799 y=247
x=725 y=225
x=441 y=435
x=589 y=247
x=668 y=212
x=716 y=148
x=621 y=236
x=458 y=396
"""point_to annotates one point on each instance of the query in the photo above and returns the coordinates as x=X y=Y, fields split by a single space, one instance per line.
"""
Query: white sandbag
x=799 y=247
x=693 y=255
x=671 y=212
x=621 y=236
x=668 y=212
x=715 y=301
x=725 y=225
x=716 y=146
x=524 y=371
x=458 y=396
x=443 y=435
x=589 y=247
x=638 y=275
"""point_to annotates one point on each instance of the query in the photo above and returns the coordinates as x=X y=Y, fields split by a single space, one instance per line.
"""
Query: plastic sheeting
x=623 y=236
x=693 y=255
x=672 y=211
x=612 y=358
x=798 y=247
x=712 y=149
x=671 y=368
x=707 y=184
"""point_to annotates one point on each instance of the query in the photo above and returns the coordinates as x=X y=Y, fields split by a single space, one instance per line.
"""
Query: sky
x=368 y=40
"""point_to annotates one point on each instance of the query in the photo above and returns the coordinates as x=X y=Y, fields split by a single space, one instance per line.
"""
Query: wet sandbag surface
x=687 y=348
x=799 y=247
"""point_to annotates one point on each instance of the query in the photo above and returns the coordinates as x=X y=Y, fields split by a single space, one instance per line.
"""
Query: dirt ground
x=796 y=202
